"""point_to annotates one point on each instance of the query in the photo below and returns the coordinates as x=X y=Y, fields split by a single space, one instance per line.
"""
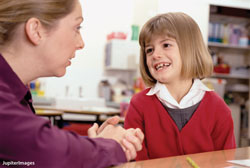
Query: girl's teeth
x=160 y=66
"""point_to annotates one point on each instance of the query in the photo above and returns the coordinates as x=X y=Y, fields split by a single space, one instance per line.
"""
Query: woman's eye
x=79 y=27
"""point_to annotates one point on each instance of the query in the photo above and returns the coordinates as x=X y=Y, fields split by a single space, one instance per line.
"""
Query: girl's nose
x=157 y=54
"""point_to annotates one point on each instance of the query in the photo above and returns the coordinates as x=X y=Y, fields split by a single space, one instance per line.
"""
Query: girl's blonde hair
x=196 y=60
x=15 y=12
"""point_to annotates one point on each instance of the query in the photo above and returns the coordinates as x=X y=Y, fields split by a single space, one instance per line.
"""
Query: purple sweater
x=26 y=137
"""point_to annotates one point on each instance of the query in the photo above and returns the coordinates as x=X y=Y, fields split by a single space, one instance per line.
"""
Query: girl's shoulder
x=212 y=96
x=143 y=97
x=213 y=101
x=142 y=93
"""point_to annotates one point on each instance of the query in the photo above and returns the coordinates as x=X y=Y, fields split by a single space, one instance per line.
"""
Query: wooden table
x=97 y=111
x=216 y=159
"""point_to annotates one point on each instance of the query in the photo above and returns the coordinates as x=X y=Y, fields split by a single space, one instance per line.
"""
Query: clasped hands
x=130 y=139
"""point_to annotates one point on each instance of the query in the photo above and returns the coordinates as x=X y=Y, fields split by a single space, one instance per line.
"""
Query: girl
x=178 y=113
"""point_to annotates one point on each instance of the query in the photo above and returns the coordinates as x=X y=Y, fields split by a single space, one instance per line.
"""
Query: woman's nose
x=80 y=44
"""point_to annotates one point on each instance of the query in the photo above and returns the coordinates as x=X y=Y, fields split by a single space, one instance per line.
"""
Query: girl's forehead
x=156 y=33
x=154 y=37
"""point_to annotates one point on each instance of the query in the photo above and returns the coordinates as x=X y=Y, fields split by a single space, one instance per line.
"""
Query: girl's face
x=163 y=59
x=62 y=42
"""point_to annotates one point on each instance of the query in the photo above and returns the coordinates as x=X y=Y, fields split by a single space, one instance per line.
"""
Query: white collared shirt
x=194 y=95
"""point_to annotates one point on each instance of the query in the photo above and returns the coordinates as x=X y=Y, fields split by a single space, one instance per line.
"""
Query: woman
x=38 y=38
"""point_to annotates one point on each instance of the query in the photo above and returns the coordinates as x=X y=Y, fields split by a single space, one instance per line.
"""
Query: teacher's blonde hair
x=15 y=12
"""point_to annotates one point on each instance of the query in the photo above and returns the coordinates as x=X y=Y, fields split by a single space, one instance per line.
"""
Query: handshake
x=130 y=139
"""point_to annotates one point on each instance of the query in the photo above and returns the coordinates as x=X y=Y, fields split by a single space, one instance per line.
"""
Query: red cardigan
x=210 y=128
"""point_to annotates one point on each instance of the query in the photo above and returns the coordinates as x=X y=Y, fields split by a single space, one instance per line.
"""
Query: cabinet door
x=122 y=54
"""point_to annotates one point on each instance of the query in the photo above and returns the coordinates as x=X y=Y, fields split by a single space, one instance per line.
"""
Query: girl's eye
x=166 y=45
x=149 y=50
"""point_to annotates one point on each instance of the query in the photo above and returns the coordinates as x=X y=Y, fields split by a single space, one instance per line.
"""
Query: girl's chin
x=163 y=80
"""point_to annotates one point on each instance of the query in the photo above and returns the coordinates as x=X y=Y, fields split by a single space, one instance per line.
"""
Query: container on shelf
x=218 y=85
x=105 y=90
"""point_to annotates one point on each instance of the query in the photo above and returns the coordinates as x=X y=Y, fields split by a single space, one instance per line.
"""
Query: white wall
x=143 y=10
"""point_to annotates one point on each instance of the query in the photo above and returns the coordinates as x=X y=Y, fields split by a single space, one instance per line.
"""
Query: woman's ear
x=34 y=30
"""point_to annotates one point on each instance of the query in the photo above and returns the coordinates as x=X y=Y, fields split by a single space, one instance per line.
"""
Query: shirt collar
x=11 y=80
x=194 y=95
x=197 y=85
x=156 y=88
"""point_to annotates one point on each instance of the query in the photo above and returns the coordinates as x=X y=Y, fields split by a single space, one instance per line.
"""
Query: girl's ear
x=33 y=29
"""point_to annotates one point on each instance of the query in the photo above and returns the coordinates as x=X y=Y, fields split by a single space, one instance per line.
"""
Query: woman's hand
x=130 y=140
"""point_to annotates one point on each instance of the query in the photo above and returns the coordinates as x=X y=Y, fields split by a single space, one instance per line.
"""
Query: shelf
x=235 y=76
x=240 y=88
x=228 y=19
x=229 y=14
x=230 y=46
x=236 y=90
